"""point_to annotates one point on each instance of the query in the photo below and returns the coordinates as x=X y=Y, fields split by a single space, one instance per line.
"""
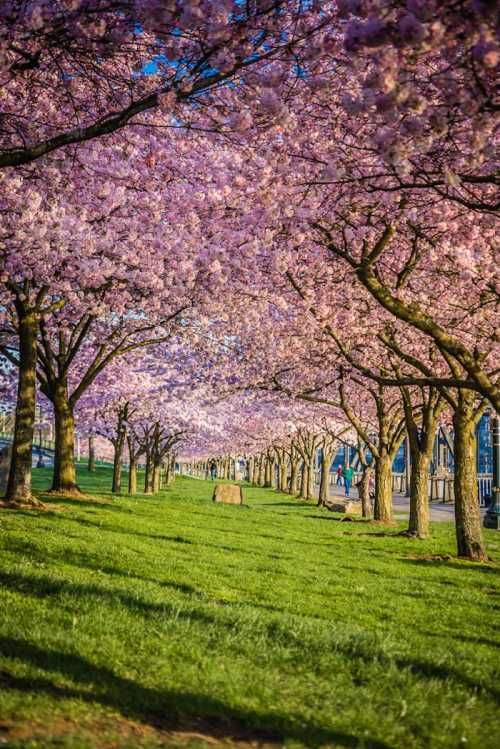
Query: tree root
x=22 y=503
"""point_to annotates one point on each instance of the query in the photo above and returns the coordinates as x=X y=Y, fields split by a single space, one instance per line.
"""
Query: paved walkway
x=441 y=512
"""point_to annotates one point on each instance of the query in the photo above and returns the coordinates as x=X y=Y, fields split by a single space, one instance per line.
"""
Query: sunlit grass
x=172 y=621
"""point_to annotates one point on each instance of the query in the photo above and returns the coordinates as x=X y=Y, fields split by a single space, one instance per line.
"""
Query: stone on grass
x=345 y=506
x=228 y=494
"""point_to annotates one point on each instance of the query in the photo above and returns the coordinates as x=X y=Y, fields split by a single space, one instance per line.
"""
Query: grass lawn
x=174 y=622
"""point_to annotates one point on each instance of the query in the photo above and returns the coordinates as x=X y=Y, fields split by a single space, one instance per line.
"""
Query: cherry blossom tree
x=73 y=71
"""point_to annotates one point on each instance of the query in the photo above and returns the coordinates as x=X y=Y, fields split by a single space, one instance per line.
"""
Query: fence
x=440 y=487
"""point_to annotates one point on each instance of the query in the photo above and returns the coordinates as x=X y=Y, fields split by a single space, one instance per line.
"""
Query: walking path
x=441 y=512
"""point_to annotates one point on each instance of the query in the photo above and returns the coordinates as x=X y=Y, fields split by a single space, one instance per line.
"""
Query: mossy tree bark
x=294 y=474
x=91 y=461
x=151 y=446
x=364 y=490
x=303 y=481
x=269 y=479
x=135 y=450
x=382 y=509
x=262 y=470
x=283 y=473
x=64 y=479
x=421 y=436
x=470 y=543
x=148 y=470
x=165 y=477
x=122 y=414
x=132 y=476
x=307 y=444
x=171 y=470
x=390 y=426
x=19 y=480
x=328 y=448
x=367 y=471
x=255 y=470
x=418 y=522
x=294 y=461
x=26 y=322
x=310 y=478
x=158 y=444
x=156 y=476
x=56 y=355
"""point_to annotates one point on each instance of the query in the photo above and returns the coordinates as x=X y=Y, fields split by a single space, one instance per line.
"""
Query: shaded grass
x=172 y=621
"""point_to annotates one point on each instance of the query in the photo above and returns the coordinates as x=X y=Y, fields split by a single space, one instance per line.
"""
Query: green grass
x=174 y=622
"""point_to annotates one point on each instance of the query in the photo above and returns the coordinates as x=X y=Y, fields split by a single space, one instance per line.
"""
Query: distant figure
x=371 y=488
x=339 y=475
x=213 y=471
x=348 y=475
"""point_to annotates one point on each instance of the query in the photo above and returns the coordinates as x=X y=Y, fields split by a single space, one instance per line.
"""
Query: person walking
x=213 y=471
x=339 y=475
x=348 y=474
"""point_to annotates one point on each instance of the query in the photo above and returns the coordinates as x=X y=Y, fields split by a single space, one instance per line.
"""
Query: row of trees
x=250 y=208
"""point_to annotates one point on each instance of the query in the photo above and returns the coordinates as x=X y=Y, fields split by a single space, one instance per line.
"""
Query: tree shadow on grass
x=42 y=587
x=159 y=536
x=163 y=709
x=463 y=638
x=85 y=502
x=457 y=564
x=422 y=669
x=343 y=519
x=429 y=670
x=296 y=505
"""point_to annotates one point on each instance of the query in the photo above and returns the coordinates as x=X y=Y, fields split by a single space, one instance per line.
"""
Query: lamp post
x=492 y=517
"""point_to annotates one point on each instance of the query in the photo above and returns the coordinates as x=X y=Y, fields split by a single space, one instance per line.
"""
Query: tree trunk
x=303 y=481
x=282 y=474
x=262 y=472
x=19 y=481
x=171 y=470
x=148 y=476
x=267 y=472
x=469 y=534
x=117 y=464
x=310 y=479
x=132 y=475
x=255 y=471
x=383 y=488
x=418 y=524
x=364 y=492
x=294 y=474
x=91 y=462
x=156 y=477
x=277 y=482
x=64 y=457
x=324 y=483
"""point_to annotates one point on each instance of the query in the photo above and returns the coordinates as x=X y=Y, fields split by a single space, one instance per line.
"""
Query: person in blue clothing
x=348 y=475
